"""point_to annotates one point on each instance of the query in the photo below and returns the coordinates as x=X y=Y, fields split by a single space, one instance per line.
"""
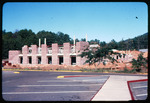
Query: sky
x=99 y=20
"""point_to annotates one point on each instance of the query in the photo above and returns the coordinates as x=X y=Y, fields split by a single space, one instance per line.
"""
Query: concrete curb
x=72 y=71
x=17 y=72
x=39 y=70
x=60 y=76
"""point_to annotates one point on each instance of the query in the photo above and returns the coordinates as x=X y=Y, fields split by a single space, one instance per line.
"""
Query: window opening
x=73 y=60
x=21 y=60
x=60 y=60
x=39 y=60
x=30 y=60
x=49 y=60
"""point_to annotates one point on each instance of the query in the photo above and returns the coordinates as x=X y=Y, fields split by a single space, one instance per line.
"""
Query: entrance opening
x=21 y=60
x=39 y=60
x=60 y=60
x=117 y=57
x=49 y=60
x=30 y=60
x=73 y=60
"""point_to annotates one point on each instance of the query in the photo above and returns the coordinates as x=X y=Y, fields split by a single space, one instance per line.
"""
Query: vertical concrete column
x=25 y=51
x=34 y=52
x=80 y=46
x=44 y=54
x=78 y=58
x=55 y=60
x=66 y=52
x=14 y=56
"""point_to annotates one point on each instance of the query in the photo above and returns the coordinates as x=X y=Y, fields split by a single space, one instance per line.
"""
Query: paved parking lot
x=45 y=86
x=138 y=89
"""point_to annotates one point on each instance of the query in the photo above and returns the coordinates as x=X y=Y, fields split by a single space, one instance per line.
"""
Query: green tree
x=83 y=39
x=7 y=44
x=96 y=41
x=50 y=37
x=15 y=41
x=103 y=44
x=140 y=63
x=96 y=55
x=27 y=37
x=62 y=38
x=113 y=44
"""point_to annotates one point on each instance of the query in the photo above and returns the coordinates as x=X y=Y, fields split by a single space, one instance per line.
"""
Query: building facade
x=66 y=54
x=55 y=54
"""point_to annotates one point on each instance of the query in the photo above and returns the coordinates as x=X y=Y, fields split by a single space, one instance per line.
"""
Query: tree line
x=16 y=40
x=139 y=42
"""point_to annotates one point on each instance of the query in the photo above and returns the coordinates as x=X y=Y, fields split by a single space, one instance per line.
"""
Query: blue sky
x=99 y=20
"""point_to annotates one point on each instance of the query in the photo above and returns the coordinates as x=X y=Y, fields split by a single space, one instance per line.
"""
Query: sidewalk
x=116 y=88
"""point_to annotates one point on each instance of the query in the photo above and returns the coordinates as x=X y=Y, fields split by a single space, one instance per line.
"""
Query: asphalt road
x=45 y=86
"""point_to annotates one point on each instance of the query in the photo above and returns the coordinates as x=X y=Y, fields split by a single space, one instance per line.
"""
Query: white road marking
x=94 y=79
x=53 y=81
x=5 y=81
x=140 y=87
x=72 y=80
x=141 y=95
x=57 y=85
x=90 y=80
x=47 y=92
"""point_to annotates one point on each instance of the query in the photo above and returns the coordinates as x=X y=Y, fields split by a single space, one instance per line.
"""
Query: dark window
x=73 y=60
x=60 y=60
x=21 y=60
x=49 y=60
x=117 y=57
x=30 y=60
x=124 y=55
x=39 y=60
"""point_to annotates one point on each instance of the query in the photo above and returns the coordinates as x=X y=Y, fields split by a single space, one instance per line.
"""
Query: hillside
x=15 y=41
x=139 y=42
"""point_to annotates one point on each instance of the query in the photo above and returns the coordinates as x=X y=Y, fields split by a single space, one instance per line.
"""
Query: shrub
x=126 y=70
x=133 y=71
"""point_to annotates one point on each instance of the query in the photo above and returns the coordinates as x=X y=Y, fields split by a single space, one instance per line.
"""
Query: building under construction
x=66 y=54
x=55 y=54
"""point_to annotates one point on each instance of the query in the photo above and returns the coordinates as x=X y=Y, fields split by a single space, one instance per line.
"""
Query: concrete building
x=55 y=54
x=66 y=54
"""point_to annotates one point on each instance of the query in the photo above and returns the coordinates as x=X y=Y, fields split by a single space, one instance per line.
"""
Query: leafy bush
x=133 y=71
x=126 y=70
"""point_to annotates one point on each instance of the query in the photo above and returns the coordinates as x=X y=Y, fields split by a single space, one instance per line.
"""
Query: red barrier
x=128 y=82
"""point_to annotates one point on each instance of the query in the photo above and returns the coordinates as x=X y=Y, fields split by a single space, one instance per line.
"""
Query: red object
x=4 y=64
x=128 y=82
x=5 y=61
x=81 y=76
x=9 y=64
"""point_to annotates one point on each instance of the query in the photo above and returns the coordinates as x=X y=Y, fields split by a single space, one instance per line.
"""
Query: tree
x=140 y=63
x=102 y=44
x=113 y=44
x=83 y=39
x=7 y=44
x=96 y=55
x=62 y=38
x=96 y=41
x=15 y=41
x=50 y=37
x=27 y=37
